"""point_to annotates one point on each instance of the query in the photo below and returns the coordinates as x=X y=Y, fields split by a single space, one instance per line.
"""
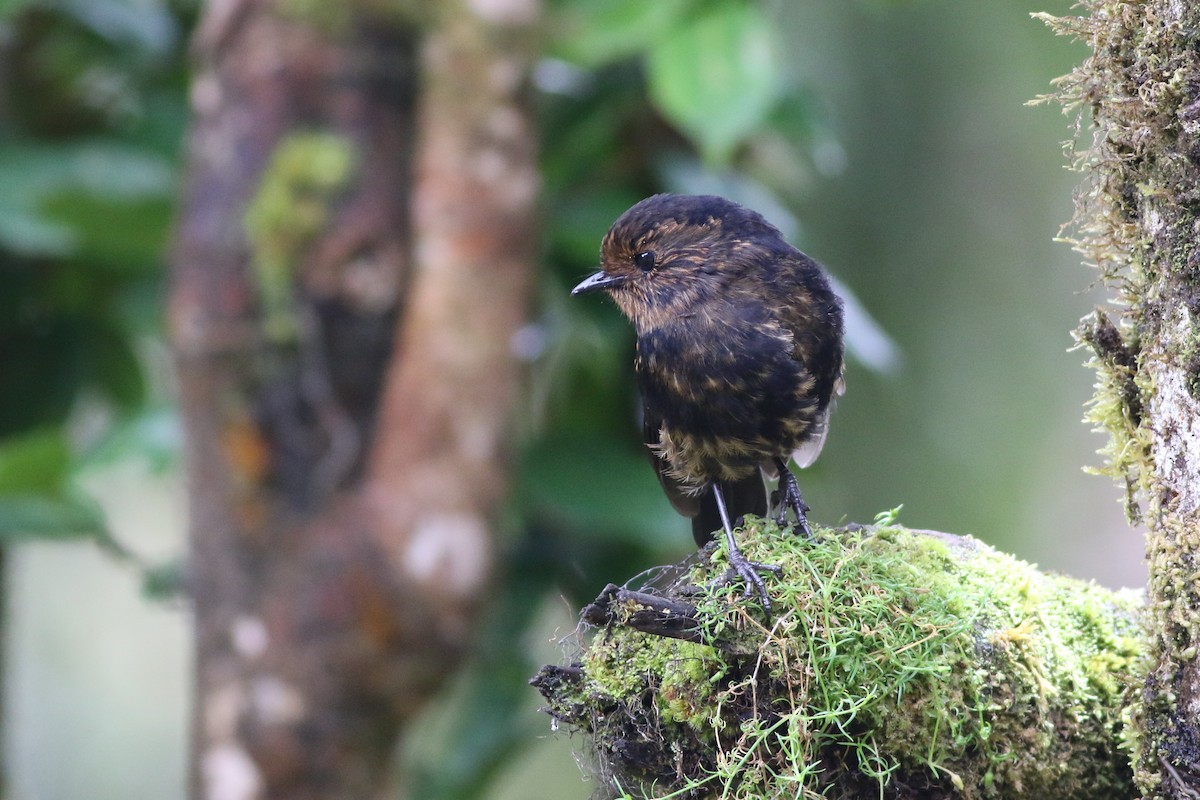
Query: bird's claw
x=802 y=521
x=739 y=565
x=749 y=571
x=792 y=501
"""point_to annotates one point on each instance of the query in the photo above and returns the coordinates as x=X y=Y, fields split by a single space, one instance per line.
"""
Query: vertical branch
x=1139 y=221
x=440 y=458
x=340 y=310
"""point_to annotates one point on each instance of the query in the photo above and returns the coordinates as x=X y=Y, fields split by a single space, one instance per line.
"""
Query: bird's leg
x=739 y=565
x=791 y=498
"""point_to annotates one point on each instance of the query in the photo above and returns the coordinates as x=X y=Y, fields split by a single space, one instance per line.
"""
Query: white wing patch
x=807 y=453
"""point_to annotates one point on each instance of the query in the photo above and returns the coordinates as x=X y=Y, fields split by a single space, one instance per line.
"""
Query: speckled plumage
x=739 y=348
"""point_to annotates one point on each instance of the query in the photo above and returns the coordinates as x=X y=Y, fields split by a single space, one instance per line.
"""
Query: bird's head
x=669 y=254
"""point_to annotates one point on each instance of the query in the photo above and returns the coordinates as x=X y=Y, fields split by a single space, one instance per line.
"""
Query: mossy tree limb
x=901 y=664
x=1138 y=220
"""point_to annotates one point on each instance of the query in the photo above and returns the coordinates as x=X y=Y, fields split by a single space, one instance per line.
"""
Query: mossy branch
x=900 y=663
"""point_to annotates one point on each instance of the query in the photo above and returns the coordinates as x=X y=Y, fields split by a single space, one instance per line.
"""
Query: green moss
x=896 y=659
x=305 y=175
x=340 y=19
x=1118 y=406
x=333 y=18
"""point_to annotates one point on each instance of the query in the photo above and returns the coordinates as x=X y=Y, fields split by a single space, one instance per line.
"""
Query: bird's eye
x=644 y=260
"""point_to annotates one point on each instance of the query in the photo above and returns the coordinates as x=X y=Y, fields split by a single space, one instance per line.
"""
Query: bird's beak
x=601 y=280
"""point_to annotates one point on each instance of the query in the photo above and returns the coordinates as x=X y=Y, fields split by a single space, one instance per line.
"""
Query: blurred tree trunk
x=352 y=258
x=1138 y=220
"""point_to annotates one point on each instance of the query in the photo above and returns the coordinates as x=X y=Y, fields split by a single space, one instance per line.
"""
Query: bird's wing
x=682 y=500
x=810 y=448
x=814 y=321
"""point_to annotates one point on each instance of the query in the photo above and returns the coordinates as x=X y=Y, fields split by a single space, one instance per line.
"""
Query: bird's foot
x=740 y=566
x=792 y=501
x=750 y=573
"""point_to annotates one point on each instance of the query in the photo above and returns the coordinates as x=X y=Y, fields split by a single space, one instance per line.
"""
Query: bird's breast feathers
x=729 y=396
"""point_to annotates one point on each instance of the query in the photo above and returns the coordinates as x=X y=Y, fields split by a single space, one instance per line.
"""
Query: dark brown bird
x=739 y=353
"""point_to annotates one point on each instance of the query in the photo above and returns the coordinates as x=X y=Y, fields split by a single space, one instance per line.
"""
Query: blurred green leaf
x=10 y=7
x=37 y=500
x=28 y=517
x=595 y=33
x=114 y=169
x=600 y=487
x=25 y=231
x=43 y=373
x=582 y=135
x=114 y=368
x=716 y=75
x=95 y=95
x=152 y=435
x=35 y=461
x=49 y=363
x=145 y=24
x=32 y=174
x=579 y=223
x=165 y=581
x=118 y=235
x=101 y=166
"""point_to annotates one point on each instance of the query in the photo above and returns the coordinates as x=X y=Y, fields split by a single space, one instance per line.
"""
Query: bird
x=739 y=355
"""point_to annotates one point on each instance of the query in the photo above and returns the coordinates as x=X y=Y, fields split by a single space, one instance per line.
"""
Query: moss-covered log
x=899 y=664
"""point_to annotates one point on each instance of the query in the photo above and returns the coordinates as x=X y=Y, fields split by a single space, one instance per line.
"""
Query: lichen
x=332 y=18
x=341 y=18
x=899 y=664
x=305 y=174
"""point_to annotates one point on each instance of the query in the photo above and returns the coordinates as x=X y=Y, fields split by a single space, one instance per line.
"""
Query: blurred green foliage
x=90 y=138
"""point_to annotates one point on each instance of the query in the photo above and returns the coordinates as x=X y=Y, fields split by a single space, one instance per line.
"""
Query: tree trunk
x=1138 y=221
x=353 y=256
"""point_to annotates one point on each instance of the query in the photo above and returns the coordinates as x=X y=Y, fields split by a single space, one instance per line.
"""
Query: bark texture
x=1138 y=220
x=353 y=256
